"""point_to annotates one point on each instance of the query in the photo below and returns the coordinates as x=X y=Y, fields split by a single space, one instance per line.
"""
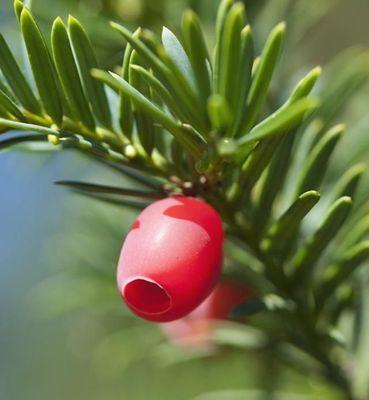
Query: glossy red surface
x=171 y=258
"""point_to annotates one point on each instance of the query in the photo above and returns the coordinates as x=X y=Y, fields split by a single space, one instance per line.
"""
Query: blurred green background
x=64 y=332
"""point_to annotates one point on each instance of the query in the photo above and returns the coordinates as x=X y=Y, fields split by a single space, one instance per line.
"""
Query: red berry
x=195 y=330
x=171 y=258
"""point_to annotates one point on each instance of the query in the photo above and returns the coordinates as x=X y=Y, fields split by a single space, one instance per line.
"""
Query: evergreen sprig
x=185 y=121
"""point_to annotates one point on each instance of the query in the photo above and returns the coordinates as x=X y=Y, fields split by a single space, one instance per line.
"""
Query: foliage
x=180 y=120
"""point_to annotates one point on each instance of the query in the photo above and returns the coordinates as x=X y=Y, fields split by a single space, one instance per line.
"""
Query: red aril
x=171 y=258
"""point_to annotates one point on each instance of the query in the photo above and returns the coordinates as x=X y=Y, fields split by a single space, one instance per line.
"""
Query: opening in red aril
x=146 y=296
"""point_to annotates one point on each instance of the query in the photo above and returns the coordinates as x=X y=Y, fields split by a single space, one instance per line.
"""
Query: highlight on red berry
x=171 y=258
x=195 y=330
